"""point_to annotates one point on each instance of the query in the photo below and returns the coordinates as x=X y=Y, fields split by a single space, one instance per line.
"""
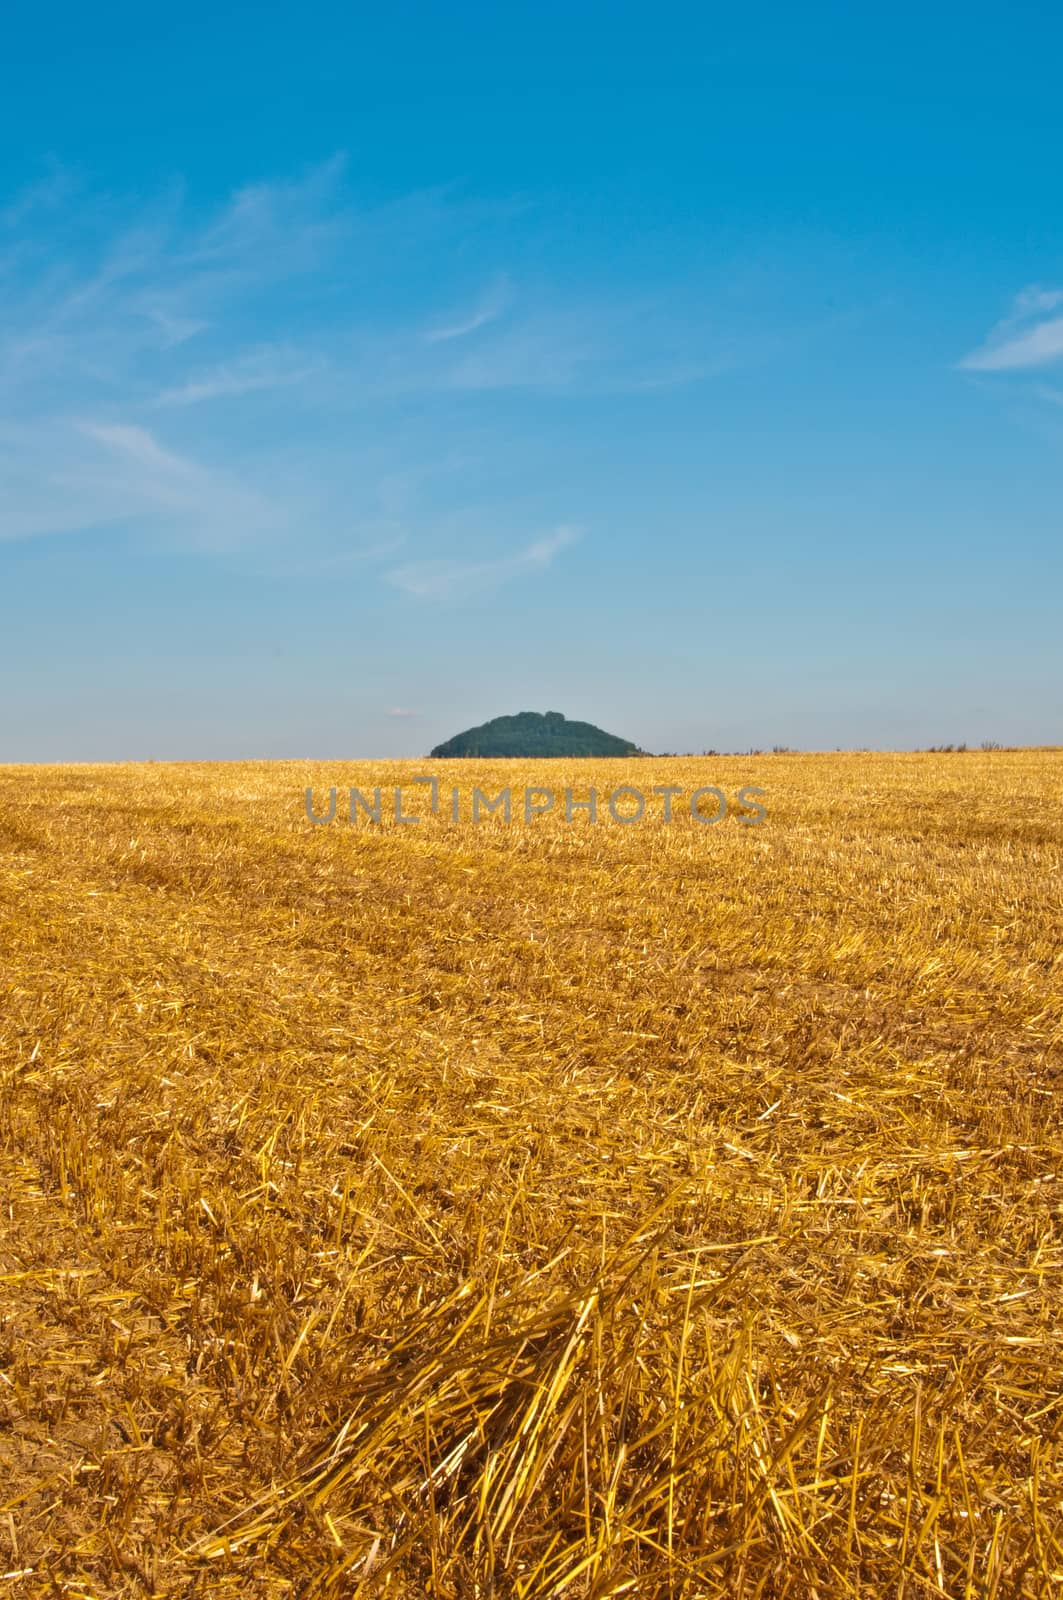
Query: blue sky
x=368 y=372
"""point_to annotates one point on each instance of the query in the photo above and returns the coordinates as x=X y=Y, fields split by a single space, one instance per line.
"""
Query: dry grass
x=565 y=1210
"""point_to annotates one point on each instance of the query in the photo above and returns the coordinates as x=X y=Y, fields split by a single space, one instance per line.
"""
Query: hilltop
x=532 y=734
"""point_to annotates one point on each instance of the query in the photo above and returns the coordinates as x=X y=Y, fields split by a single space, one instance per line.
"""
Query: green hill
x=533 y=734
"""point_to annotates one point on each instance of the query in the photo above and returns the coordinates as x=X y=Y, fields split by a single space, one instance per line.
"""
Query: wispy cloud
x=59 y=475
x=488 y=309
x=47 y=194
x=1029 y=337
x=138 y=445
x=265 y=372
x=175 y=330
x=445 y=580
x=118 y=325
x=1037 y=299
x=209 y=506
x=249 y=375
x=403 y=714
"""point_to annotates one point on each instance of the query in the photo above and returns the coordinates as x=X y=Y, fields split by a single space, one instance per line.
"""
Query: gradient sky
x=366 y=372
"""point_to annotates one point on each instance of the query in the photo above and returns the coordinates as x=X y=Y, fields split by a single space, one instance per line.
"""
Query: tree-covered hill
x=530 y=734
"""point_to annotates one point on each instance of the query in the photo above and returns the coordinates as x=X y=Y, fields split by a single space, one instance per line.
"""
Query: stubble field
x=517 y=1211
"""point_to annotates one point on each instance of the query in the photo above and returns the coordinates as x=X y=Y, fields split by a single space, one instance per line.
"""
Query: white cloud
x=47 y=194
x=204 y=506
x=57 y=475
x=137 y=339
x=1027 y=338
x=488 y=310
x=277 y=227
x=249 y=375
x=175 y=330
x=403 y=714
x=1036 y=348
x=444 y=580
x=138 y=445
x=1034 y=299
x=104 y=312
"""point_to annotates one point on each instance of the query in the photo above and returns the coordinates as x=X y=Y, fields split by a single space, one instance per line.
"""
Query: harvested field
x=562 y=1209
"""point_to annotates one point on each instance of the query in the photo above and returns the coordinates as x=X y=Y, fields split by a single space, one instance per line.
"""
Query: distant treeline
x=534 y=734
